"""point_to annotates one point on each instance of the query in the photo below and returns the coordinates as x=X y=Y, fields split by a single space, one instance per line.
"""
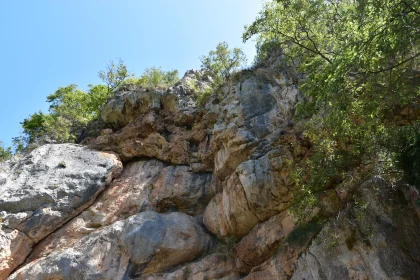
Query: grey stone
x=142 y=244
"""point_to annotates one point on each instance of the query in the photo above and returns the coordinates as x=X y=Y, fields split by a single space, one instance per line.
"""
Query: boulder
x=45 y=189
x=178 y=189
x=143 y=244
x=144 y=185
x=214 y=266
x=263 y=241
x=126 y=196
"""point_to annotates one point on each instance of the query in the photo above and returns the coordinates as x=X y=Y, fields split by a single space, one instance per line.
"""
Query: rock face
x=377 y=238
x=204 y=194
x=165 y=125
x=44 y=190
x=140 y=245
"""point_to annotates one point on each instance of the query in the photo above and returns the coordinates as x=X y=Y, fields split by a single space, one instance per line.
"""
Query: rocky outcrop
x=144 y=185
x=204 y=194
x=45 y=189
x=376 y=237
x=214 y=266
x=162 y=124
x=139 y=245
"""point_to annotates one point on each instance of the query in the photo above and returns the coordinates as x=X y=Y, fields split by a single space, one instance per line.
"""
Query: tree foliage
x=5 y=153
x=114 y=74
x=361 y=63
x=155 y=77
x=70 y=110
x=221 y=62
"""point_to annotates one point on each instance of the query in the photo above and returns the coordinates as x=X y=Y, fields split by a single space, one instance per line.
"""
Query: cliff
x=171 y=190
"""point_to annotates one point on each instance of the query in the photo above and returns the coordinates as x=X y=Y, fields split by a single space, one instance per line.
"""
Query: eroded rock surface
x=144 y=185
x=142 y=244
x=375 y=238
x=214 y=266
x=43 y=190
x=204 y=194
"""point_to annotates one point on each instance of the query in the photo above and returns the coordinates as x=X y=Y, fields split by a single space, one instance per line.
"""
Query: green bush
x=114 y=74
x=221 y=62
x=70 y=110
x=155 y=77
x=407 y=153
x=5 y=153
x=200 y=95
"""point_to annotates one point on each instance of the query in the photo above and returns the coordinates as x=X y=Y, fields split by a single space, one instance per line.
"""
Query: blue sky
x=46 y=44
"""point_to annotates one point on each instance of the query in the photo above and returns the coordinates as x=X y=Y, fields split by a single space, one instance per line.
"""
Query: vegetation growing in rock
x=361 y=63
x=71 y=109
x=201 y=95
x=222 y=62
x=114 y=74
x=5 y=153
x=155 y=77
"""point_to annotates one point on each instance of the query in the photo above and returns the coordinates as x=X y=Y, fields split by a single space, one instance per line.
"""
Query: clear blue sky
x=46 y=44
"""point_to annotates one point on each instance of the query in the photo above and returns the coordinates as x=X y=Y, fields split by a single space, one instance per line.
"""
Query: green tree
x=5 y=153
x=221 y=62
x=34 y=127
x=361 y=63
x=155 y=77
x=70 y=110
x=114 y=75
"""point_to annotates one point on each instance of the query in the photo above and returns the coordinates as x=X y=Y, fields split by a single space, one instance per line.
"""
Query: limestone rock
x=282 y=263
x=15 y=246
x=252 y=118
x=126 y=196
x=142 y=244
x=263 y=241
x=377 y=238
x=215 y=266
x=144 y=185
x=45 y=189
x=178 y=189
x=258 y=190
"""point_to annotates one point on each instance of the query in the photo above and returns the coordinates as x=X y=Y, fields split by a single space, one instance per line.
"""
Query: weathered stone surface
x=225 y=216
x=214 y=266
x=252 y=117
x=178 y=189
x=144 y=185
x=375 y=238
x=142 y=244
x=14 y=247
x=162 y=124
x=177 y=139
x=253 y=140
x=126 y=196
x=257 y=190
x=263 y=241
x=45 y=189
x=282 y=263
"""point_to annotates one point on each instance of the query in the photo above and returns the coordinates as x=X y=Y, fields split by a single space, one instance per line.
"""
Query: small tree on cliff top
x=221 y=62
x=114 y=74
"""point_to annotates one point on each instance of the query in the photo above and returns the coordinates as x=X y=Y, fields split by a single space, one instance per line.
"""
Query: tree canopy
x=155 y=77
x=360 y=60
x=5 y=153
x=221 y=62
x=71 y=108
